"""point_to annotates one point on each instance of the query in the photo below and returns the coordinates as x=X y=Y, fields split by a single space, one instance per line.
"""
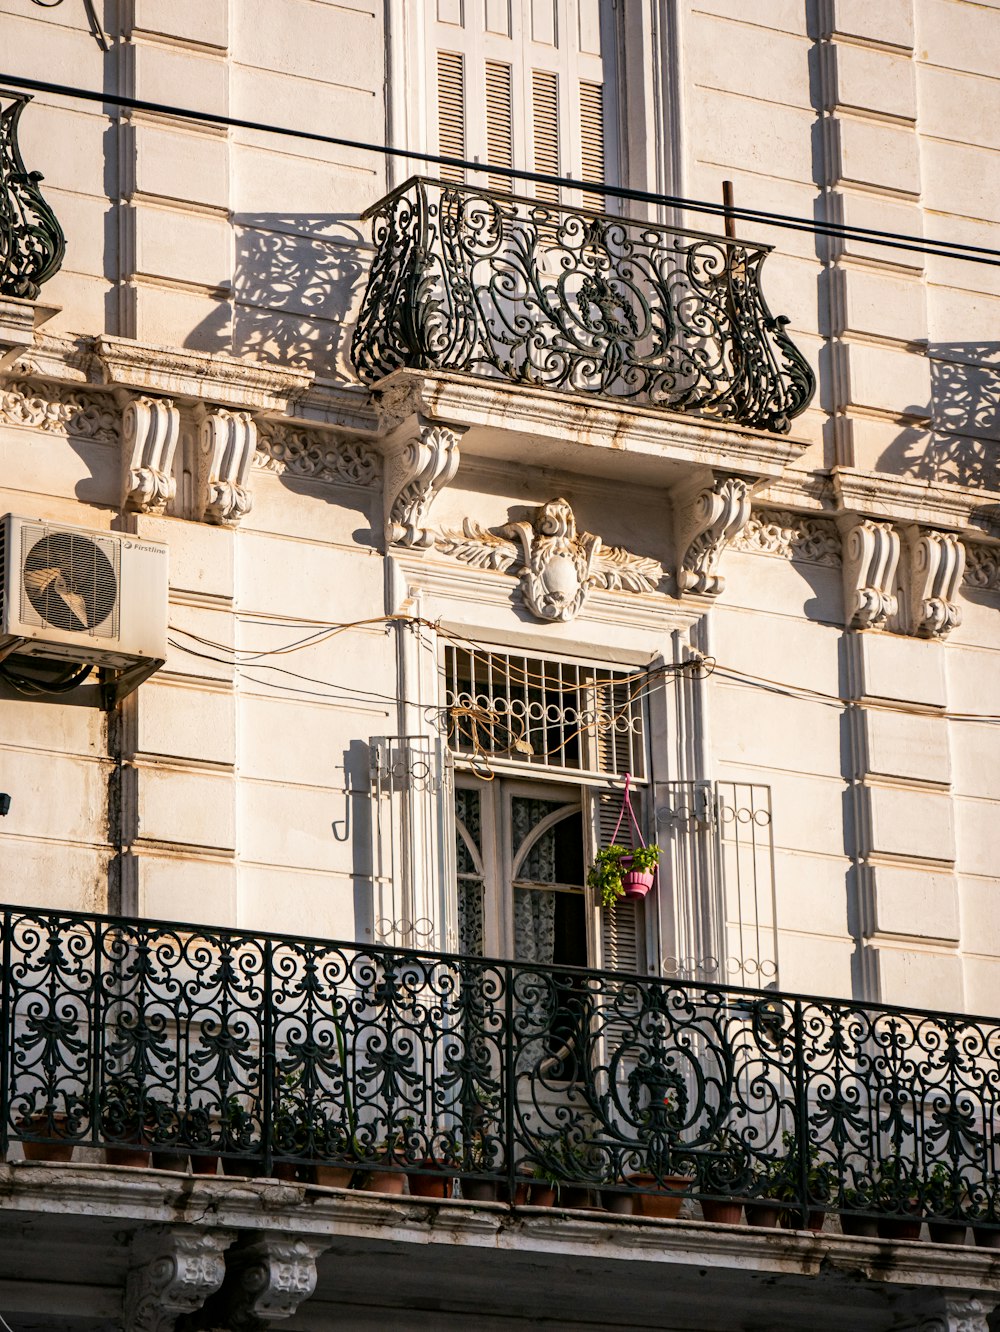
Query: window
x=535 y=742
x=526 y=83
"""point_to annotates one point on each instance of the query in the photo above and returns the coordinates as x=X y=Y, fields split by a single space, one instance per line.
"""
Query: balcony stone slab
x=527 y=426
x=377 y=1256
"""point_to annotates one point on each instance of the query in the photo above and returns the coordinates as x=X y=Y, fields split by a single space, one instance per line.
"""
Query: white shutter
x=545 y=130
x=451 y=110
x=529 y=85
x=592 y=140
x=622 y=926
x=499 y=121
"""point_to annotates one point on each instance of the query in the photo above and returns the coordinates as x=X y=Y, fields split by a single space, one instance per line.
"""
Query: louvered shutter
x=499 y=121
x=592 y=140
x=545 y=130
x=451 y=110
x=622 y=926
x=527 y=84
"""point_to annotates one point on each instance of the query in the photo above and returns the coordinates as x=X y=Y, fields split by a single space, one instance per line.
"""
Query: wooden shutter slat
x=545 y=129
x=499 y=120
x=592 y=140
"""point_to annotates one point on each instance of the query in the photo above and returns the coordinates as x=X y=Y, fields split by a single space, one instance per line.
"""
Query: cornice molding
x=902 y=499
x=200 y=376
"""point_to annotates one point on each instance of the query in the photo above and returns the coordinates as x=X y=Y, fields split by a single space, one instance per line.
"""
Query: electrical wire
x=945 y=249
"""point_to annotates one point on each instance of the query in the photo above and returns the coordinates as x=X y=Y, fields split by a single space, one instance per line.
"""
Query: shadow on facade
x=296 y=286
x=960 y=444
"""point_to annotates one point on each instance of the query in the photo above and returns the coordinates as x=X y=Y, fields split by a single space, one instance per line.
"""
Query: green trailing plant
x=895 y=1186
x=612 y=862
x=944 y=1194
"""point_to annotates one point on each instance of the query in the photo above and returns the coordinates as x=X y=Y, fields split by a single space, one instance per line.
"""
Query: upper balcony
x=479 y=283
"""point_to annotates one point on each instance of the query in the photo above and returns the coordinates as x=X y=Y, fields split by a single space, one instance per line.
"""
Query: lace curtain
x=534 y=925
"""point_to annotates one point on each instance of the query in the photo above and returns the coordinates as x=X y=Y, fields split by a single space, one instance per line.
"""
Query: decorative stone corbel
x=937 y=565
x=871 y=555
x=706 y=526
x=150 y=431
x=415 y=474
x=173 y=1271
x=268 y=1278
x=954 y=1314
x=227 y=442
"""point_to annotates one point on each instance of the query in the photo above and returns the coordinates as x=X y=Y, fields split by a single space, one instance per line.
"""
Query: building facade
x=507 y=516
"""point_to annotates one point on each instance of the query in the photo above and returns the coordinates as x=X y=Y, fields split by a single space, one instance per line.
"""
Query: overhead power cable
x=943 y=249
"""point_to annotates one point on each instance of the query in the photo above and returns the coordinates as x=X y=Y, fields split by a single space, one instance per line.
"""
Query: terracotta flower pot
x=175 y=1161
x=765 y=1214
x=430 y=1183
x=946 y=1232
x=899 y=1228
x=385 y=1181
x=986 y=1237
x=660 y=1200
x=522 y=1192
x=204 y=1164
x=137 y=1157
x=287 y=1171
x=726 y=1213
x=479 y=1190
x=239 y=1168
x=864 y=1226
x=792 y=1220
x=333 y=1177
x=47 y=1151
x=542 y=1194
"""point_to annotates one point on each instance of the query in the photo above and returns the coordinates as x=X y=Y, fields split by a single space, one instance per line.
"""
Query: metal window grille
x=722 y=857
x=566 y=716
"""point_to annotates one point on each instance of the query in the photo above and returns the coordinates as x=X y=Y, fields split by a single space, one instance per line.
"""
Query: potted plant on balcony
x=51 y=1124
x=618 y=872
x=944 y=1198
x=982 y=1208
x=128 y=1121
x=896 y=1191
x=857 y=1217
x=726 y=1166
x=770 y=1184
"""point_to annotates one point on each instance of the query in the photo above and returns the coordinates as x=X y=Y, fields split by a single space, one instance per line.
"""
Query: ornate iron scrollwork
x=468 y=280
x=32 y=243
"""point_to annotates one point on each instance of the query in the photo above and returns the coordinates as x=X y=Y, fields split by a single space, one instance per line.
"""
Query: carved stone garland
x=51 y=408
x=705 y=528
x=316 y=456
x=558 y=566
x=792 y=536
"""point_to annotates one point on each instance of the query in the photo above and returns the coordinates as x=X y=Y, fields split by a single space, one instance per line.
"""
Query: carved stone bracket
x=558 y=565
x=937 y=563
x=871 y=555
x=173 y=1271
x=227 y=443
x=150 y=431
x=267 y=1279
x=955 y=1314
x=706 y=526
x=415 y=475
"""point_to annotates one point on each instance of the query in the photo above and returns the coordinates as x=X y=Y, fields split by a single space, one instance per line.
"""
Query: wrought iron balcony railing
x=32 y=244
x=271 y=1050
x=483 y=283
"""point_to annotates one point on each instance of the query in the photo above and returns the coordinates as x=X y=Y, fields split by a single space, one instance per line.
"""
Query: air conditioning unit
x=73 y=595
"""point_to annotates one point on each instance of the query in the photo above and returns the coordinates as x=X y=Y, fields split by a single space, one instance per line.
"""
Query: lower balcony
x=477 y=1122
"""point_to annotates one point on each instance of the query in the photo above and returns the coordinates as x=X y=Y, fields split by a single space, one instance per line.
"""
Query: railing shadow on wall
x=295 y=292
x=282 y=1053
x=956 y=436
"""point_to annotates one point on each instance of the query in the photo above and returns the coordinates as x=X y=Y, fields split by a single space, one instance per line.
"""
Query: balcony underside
x=399 y=1261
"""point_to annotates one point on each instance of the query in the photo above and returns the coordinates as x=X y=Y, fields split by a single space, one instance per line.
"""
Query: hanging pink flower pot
x=637 y=883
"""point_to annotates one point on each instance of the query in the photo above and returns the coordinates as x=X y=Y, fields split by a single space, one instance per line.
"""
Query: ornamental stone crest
x=558 y=565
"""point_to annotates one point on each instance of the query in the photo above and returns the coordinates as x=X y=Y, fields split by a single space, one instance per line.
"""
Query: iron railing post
x=267 y=1070
x=507 y=1090
x=97 y=1009
x=6 y=1038
x=801 y=1115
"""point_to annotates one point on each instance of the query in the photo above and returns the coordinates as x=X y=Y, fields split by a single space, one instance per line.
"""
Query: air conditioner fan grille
x=69 y=581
